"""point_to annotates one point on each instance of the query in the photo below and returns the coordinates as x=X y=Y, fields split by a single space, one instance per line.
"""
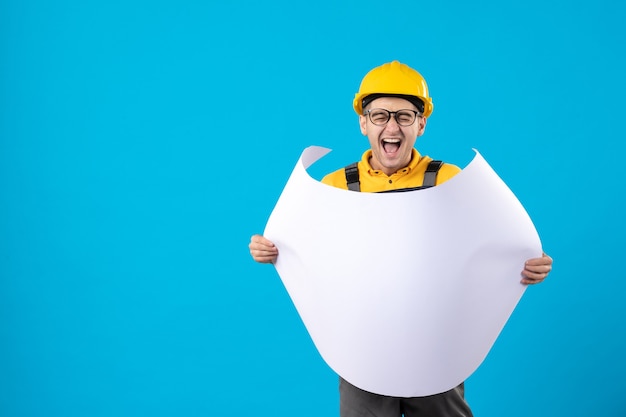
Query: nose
x=392 y=124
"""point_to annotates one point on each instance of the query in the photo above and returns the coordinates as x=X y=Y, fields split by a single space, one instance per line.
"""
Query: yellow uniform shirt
x=373 y=180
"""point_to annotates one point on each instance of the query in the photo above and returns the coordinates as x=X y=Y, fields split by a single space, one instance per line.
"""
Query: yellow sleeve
x=446 y=172
x=336 y=179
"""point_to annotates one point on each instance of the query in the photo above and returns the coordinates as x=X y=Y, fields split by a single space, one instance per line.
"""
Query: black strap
x=430 y=177
x=352 y=177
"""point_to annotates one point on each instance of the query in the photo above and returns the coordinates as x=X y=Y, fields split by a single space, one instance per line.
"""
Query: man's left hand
x=536 y=270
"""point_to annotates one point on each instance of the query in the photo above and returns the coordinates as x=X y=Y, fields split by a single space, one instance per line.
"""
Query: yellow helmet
x=393 y=79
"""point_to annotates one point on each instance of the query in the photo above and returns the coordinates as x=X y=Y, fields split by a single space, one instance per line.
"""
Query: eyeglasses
x=404 y=117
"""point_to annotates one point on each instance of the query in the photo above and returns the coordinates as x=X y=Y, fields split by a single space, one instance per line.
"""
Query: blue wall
x=142 y=143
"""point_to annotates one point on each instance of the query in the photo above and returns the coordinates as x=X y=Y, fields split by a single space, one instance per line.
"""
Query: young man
x=393 y=106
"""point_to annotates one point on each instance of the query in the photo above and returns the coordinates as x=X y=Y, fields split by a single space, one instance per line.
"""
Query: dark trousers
x=354 y=402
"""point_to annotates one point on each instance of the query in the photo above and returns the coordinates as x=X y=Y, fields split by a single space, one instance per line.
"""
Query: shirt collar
x=415 y=159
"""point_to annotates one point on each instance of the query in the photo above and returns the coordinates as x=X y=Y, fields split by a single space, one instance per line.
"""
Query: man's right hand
x=262 y=250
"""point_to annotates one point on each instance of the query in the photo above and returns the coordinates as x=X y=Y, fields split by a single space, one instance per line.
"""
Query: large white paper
x=403 y=294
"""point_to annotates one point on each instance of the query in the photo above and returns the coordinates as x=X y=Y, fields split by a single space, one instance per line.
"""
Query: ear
x=422 y=126
x=363 y=124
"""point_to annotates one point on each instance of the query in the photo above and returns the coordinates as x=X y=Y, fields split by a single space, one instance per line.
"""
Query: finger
x=263 y=256
x=538 y=269
x=256 y=253
x=261 y=240
x=546 y=260
x=531 y=281
x=531 y=277
x=264 y=259
x=267 y=246
x=261 y=249
x=534 y=274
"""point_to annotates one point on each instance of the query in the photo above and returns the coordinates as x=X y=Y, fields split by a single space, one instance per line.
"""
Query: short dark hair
x=416 y=101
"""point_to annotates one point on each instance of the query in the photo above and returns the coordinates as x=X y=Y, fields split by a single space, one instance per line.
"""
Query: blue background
x=142 y=143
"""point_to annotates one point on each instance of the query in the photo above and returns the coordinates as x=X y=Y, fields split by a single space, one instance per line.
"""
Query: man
x=393 y=106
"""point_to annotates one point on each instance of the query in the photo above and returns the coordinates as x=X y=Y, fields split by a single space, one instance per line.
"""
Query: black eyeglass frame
x=395 y=116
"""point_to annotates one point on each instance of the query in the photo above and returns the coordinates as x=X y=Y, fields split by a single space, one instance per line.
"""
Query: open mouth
x=391 y=146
